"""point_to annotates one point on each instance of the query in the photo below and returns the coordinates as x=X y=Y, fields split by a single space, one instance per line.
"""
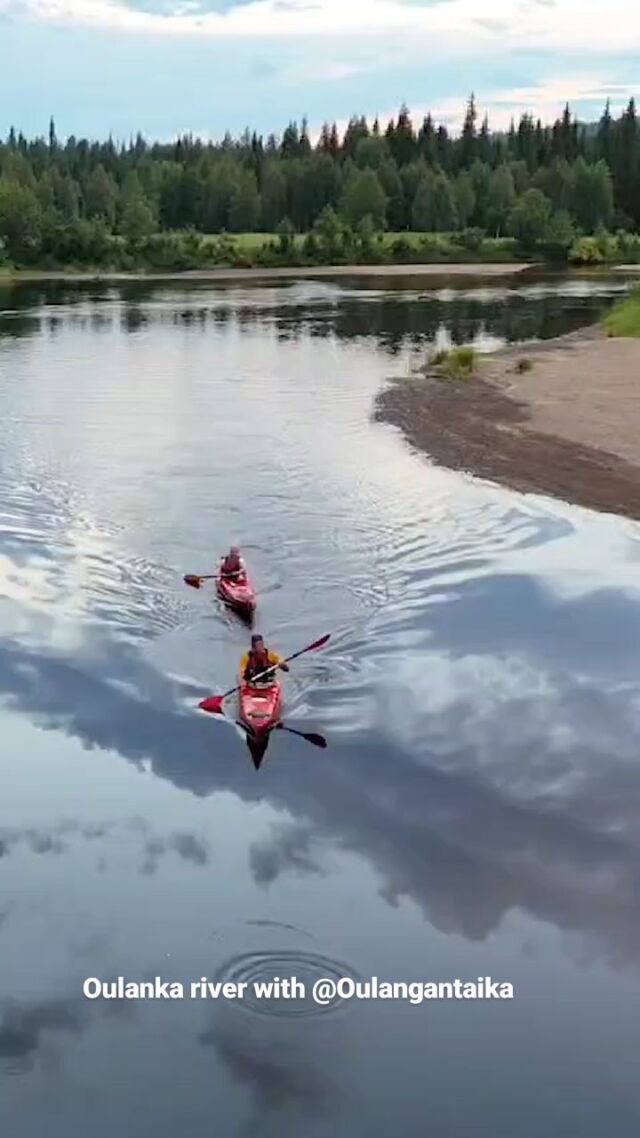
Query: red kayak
x=239 y=595
x=260 y=707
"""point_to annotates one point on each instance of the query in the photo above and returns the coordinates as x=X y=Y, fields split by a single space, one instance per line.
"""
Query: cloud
x=288 y=848
x=564 y=25
x=286 y=1084
x=545 y=100
x=189 y=847
x=23 y=1025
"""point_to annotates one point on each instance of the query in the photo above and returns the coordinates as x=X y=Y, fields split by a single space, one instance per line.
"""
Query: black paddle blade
x=310 y=736
x=316 y=740
x=191 y=579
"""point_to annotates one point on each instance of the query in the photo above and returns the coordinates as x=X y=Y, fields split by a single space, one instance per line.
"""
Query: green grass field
x=251 y=242
x=624 y=318
x=246 y=242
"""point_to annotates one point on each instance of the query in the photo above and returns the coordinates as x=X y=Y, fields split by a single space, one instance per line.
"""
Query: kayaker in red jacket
x=258 y=659
x=232 y=567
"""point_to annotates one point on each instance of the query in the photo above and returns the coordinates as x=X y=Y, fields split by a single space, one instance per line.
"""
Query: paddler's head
x=234 y=553
x=257 y=645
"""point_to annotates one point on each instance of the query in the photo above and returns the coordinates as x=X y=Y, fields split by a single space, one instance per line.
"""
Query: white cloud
x=545 y=100
x=567 y=25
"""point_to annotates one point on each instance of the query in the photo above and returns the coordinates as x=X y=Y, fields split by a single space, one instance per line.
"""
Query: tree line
x=534 y=190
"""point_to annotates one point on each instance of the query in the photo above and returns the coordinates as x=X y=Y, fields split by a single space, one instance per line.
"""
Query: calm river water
x=475 y=813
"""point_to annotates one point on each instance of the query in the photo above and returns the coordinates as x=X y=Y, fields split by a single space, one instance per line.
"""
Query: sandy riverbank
x=471 y=269
x=569 y=427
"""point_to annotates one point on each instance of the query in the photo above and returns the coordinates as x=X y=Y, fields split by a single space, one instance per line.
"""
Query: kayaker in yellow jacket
x=259 y=659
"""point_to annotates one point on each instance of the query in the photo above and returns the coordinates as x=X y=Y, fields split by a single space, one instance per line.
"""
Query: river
x=476 y=811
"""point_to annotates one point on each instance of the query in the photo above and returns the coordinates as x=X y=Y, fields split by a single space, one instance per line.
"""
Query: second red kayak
x=260 y=707
x=238 y=595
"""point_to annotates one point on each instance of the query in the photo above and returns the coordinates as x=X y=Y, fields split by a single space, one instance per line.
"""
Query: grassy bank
x=91 y=249
x=188 y=251
x=624 y=318
x=454 y=363
x=414 y=245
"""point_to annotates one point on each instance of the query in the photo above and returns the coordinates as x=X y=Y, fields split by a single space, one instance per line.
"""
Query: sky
x=166 y=67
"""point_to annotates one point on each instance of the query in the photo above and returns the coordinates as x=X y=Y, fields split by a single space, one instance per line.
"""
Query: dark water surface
x=476 y=812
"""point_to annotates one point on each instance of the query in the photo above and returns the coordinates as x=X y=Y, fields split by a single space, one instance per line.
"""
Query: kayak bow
x=260 y=707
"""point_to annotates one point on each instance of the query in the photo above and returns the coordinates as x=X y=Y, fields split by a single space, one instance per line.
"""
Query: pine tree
x=427 y=144
x=467 y=147
x=324 y=142
x=627 y=162
x=483 y=148
x=334 y=141
x=443 y=146
x=304 y=146
x=364 y=197
x=605 y=135
x=465 y=198
x=403 y=141
x=290 y=145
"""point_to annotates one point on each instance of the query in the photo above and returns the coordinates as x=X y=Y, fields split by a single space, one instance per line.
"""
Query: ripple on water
x=264 y=967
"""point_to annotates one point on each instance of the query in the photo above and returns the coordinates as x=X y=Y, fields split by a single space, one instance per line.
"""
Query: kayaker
x=259 y=659
x=232 y=567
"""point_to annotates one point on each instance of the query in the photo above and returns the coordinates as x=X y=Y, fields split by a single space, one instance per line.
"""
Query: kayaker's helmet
x=257 y=641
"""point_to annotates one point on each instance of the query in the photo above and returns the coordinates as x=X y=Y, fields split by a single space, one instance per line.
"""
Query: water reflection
x=22 y=1027
x=461 y=795
x=477 y=806
x=457 y=315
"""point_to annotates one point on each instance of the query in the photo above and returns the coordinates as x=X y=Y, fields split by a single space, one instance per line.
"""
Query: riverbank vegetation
x=455 y=363
x=623 y=319
x=562 y=192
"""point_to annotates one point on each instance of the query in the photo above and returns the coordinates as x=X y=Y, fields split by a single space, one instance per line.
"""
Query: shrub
x=607 y=244
x=559 y=236
x=470 y=238
x=168 y=252
x=628 y=246
x=457 y=363
x=586 y=251
x=524 y=365
x=401 y=247
x=438 y=357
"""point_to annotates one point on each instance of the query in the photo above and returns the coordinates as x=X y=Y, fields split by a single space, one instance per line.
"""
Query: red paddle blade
x=318 y=643
x=191 y=579
x=213 y=704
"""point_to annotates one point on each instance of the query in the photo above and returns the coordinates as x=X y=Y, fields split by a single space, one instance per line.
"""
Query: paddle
x=213 y=703
x=310 y=736
x=195 y=582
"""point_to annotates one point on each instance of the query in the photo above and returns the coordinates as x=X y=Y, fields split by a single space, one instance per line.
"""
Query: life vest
x=256 y=666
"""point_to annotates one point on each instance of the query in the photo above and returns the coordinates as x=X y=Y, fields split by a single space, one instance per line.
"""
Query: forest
x=565 y=191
